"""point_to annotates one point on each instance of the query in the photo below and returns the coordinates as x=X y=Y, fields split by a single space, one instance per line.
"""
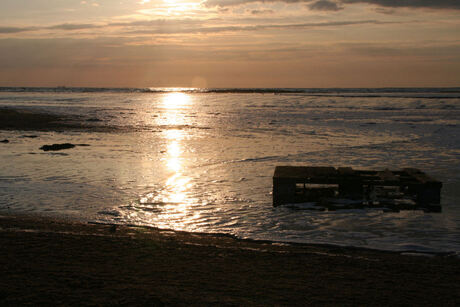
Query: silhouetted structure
x=345 y=187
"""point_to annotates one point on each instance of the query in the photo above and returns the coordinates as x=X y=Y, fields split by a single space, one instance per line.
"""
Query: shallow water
x=204 y=161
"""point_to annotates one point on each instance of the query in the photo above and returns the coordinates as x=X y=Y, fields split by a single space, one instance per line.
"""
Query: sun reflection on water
x=174 y=150
x=171 y=204
x=174 y=108
x=176 y=201
x=177 y=185
x=176 y=100
x=173 y=162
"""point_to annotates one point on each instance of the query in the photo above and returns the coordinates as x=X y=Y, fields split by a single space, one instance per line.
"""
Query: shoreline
x=287 y=243
x=53 y=261
x=74 y=219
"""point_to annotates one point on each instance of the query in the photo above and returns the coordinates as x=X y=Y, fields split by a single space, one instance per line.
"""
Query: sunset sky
x=230 y=43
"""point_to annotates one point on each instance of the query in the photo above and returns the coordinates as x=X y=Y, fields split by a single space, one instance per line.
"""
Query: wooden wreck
x=333 y=188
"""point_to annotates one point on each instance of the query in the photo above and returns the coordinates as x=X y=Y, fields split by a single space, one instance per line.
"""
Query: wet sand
x=57 y=262
x=31 y=120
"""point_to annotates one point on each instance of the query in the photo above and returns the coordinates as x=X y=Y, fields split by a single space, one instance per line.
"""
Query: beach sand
x=47 y=261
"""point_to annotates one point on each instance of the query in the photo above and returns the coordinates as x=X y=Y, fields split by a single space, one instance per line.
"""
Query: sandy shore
x=54 y=262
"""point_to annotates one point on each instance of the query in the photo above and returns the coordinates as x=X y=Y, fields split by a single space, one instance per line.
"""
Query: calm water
x=203 y=161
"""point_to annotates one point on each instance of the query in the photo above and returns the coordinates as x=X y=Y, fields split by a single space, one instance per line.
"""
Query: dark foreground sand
x=53 y=262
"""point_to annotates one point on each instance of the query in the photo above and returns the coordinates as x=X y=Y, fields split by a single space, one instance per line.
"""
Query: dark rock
x=94 y=120
x=57 y=146
x=30 y=136
x=84 y=145
x=4 y=141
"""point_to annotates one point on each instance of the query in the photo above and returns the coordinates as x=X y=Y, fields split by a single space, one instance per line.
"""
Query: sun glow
x=171 y=8
x=175 y=7
x=178 y=3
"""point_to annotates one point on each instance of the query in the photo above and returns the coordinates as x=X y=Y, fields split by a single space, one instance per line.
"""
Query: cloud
x=434 y=50
x=111 y=62
x=218 y=29
x=68 y=53
x=64 y=27
x=186 y=26
x=384 y=10
x=261 y=12
x=224 y=3
x=158 y=23
x=327 y=5
x=434 y=4
x=324 y=5
x=85 y=26
x=10 y=30
x=72 y=26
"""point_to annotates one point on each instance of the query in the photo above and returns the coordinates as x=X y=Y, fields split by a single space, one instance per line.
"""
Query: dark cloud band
x=11 y=30
x=324 y=5
x=64 y=27
x=334 y=5
x=190 y=30
x=434 y=4
x=186 y=26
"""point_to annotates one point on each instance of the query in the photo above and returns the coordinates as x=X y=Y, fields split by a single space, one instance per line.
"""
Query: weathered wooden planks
x=294 y=184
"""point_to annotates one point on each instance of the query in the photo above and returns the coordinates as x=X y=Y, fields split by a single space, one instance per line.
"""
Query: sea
x=202 y=160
